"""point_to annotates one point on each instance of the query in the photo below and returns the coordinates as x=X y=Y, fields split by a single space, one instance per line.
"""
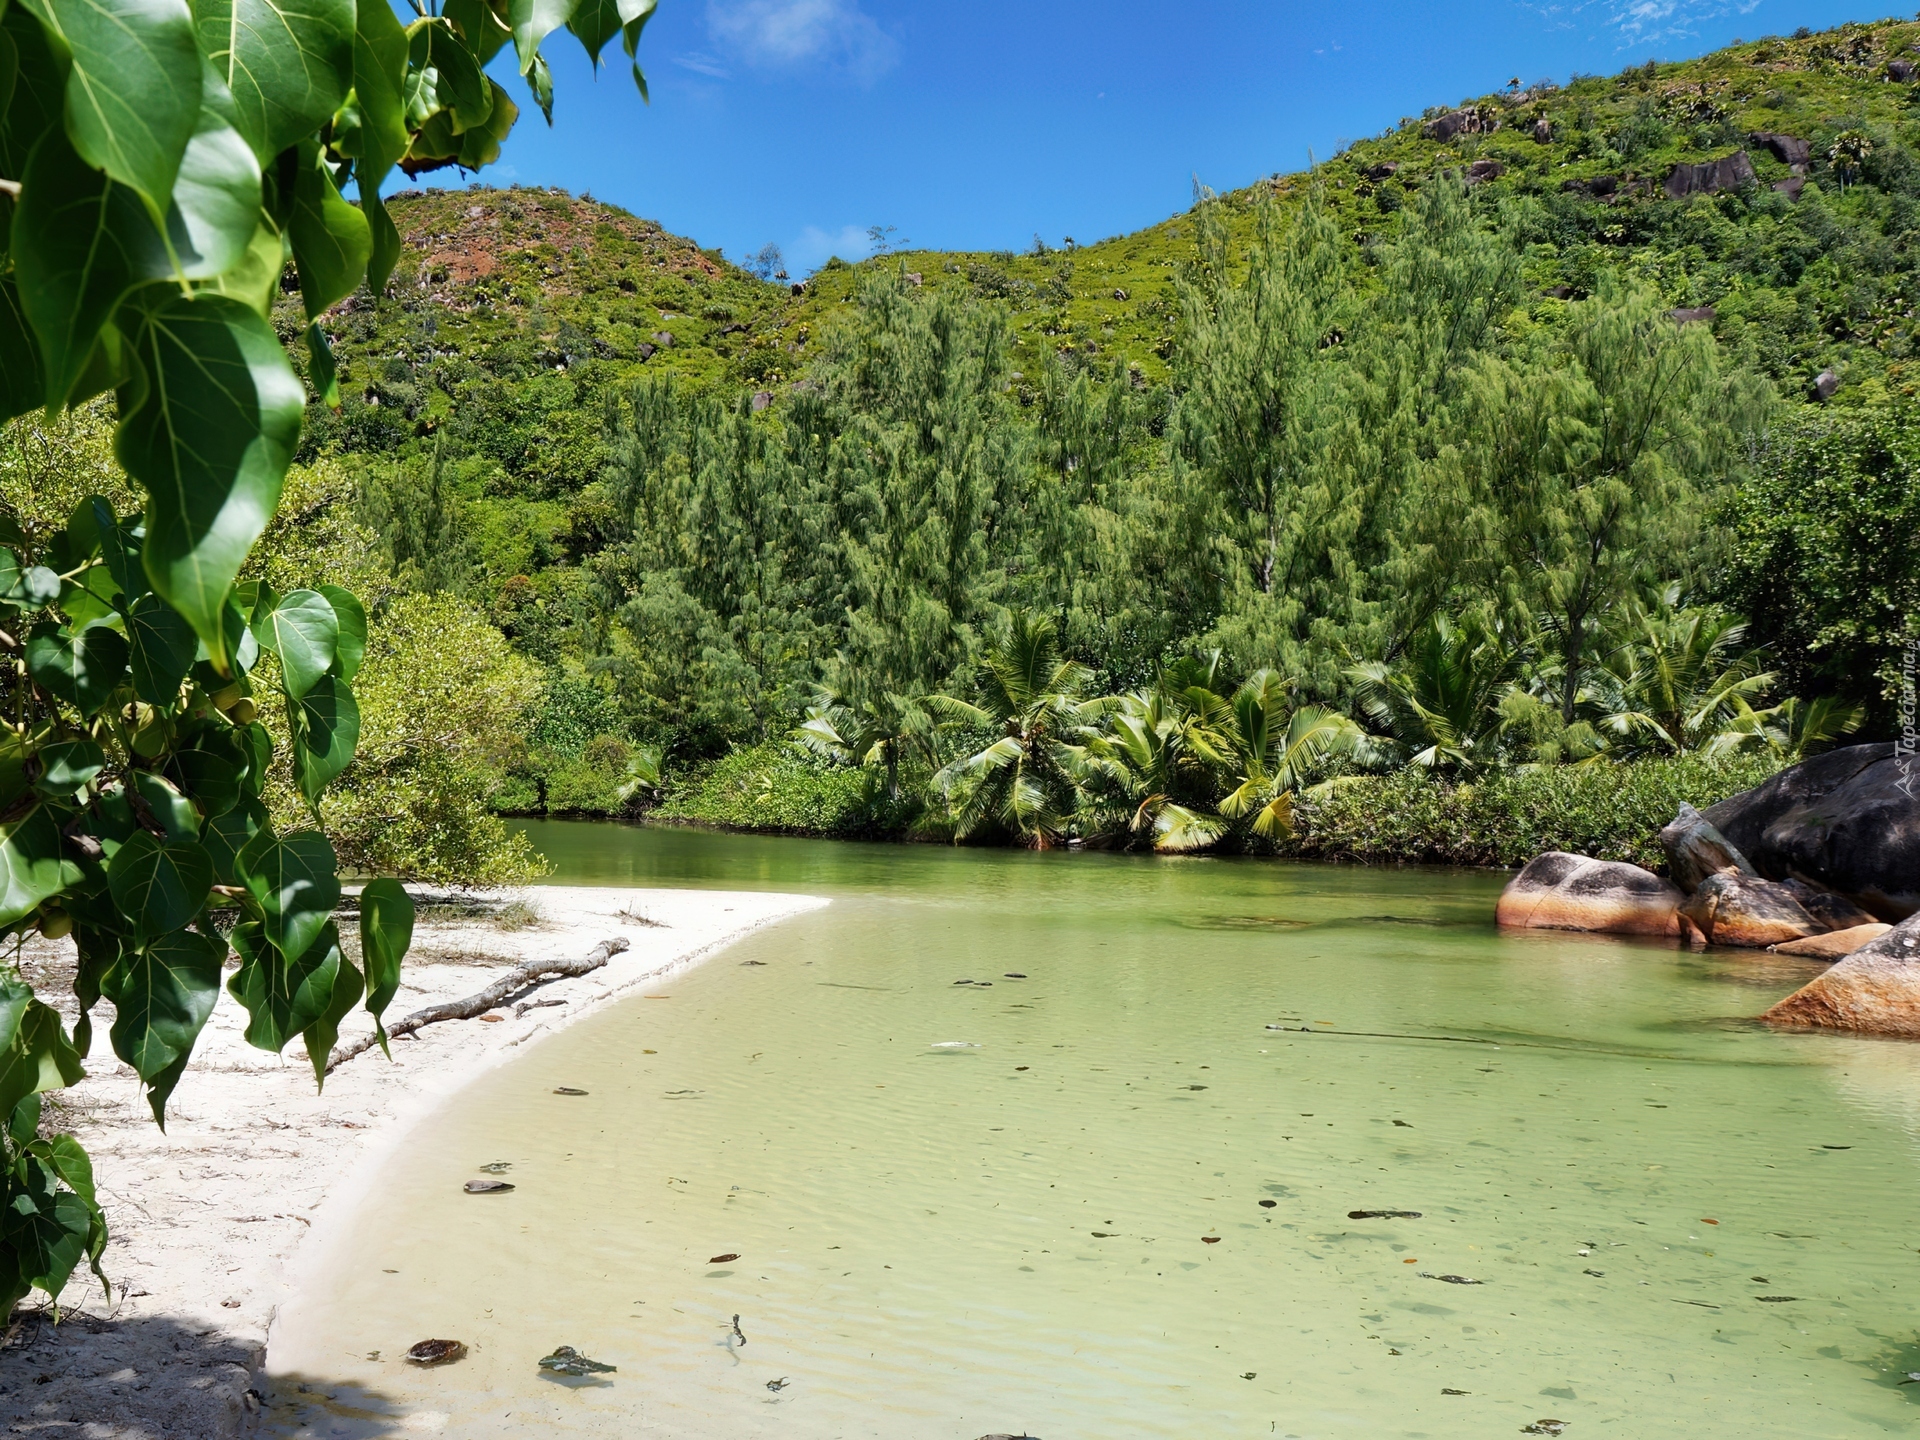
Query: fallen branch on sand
x=515 y=981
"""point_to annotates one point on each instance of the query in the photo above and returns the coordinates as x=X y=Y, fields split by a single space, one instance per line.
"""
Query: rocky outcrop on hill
x=1474 y=120
x=1874 y=991
x=1847 y=821
x=1559 y=891
x=1711 y=176
x=1789 y=150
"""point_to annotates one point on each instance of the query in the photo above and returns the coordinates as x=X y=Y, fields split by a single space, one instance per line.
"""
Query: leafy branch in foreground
x=160 y=164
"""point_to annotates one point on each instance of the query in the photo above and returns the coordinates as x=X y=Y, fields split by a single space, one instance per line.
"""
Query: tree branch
x=520 y=978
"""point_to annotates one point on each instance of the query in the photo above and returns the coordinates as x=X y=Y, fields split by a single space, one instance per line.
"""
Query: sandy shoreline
x=208 y=1220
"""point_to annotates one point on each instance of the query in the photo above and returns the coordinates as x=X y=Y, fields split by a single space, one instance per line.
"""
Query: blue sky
x=978 y=126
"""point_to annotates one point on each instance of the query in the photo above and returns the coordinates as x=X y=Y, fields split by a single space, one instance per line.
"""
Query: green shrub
x=1609 y=811
x=771 y=786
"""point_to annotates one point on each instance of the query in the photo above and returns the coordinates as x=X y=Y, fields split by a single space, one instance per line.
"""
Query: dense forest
x=1571 y=427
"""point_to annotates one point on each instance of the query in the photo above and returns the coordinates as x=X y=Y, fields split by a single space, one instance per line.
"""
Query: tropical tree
x=160 y=163
x=881 y=731
x=1281 y=750
x=1440 y=704
x=1032 y=702
x=1793 y=729
x=1679 y=679
x=1162 y=749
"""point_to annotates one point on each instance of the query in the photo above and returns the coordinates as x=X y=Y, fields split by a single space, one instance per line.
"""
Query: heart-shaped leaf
x=81 y=243
x=479 y=26
x=134 y=92
x=379 y=82
x=532 y=21
x=384 y=239
x=283 y=997
x=293 y=882
x=347 y=988
x=331 y=241
x=216 y=200
x=303 y=630
x=163 y=646
x=162 y=801
x=159 y=887
x=386 y=934
x=288 y=63
x=211 y=780
x=66 y=765
x=209 y=430
x=39 y=89
x=326 y=728
x=229 y=834
x=33 y=867
x=162 y=994
x=351 y=647
x=81 y=669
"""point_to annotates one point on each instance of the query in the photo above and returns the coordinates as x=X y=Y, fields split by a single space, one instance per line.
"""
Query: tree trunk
x=521 y=977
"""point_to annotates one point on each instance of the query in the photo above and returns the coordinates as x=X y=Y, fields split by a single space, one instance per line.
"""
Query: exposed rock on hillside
x=1711 y=176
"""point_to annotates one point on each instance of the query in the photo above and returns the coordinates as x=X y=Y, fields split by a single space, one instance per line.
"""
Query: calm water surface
x=1121 y=1207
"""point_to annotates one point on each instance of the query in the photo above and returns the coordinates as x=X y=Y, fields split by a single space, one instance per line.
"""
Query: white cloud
x=1645 y=21
x=814 y=247
x=777 y=34
x=701 y=64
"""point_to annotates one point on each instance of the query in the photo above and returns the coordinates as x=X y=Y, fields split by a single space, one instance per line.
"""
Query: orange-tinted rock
x=1835 y=912
x=1558 y=891
x=1874 y=991
x=1740 y=910
x=1696 y=850
x=1835 y=944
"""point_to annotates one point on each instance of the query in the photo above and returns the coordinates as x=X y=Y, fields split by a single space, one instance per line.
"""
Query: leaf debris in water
x=1103 y=1234
x=1013 y=975
x=437 y=1352
x=1209 y=1239
x=1775 y=1299
x=487 y=1187
x=1445 y=1391
x=497 y=1167
x=1383 y=1214
x=722 y=1259
x=565 y=1360
x=1268 y=1204
x=1544 y=1427
x=1449 y=1279
x=567 y=1090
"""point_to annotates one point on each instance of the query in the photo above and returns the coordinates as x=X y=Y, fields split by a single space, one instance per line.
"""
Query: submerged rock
x=1559 y=891
x=1835 y=944
x=1743 y=911
x=1873 y=991
x=565 y=1360
x=1848 y=820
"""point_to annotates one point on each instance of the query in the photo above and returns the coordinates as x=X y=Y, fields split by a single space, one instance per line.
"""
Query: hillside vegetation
x=1351 y=428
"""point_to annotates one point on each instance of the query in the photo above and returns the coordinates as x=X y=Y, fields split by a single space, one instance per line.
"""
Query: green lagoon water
x=1120 y=1207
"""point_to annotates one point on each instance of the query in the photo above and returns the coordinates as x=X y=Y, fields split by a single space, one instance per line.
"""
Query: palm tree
x=1279 y=749
x=1161 y=750
x=1440 y=706
x=1032 y=700
x=1680 y=679
x=882 y=731
x=1793 y=729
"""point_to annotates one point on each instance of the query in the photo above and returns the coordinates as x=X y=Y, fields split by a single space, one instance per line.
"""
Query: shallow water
x=1108 y=1213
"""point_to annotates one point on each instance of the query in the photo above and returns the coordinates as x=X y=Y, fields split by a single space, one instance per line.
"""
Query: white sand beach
x=208 y=1219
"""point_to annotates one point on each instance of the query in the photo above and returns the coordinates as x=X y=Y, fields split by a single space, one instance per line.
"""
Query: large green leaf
x=39 y=89
x=379 y=82
x=66 y=765
x=33 y=868
x=133 y=97
x=80 y=244
x=331 y=240
x=294 y=884
x=212 y=780
x=351 y=647
x=208 y=428
x=159 y=887
x=383 y=240
x=303 y=630
x=479 y=26
x=38 y=1057
x=162 y=994
x=532 y=21
x=289 y=64
x=283 y=997
x=326 y=728
x=163 y=645
x=386 y=934
x=216 y=201
x=595 y=22
x=444 y=76
x=255 y=278
x=230 y=833
x=23 y=383
x=347 y=988
x=80 y=668
x=46 y=1229
x=162 y=802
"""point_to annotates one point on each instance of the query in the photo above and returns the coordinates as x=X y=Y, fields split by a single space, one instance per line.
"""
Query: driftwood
x=516 y=980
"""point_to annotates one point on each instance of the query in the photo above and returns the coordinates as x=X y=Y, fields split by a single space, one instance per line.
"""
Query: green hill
x=1768 y=194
